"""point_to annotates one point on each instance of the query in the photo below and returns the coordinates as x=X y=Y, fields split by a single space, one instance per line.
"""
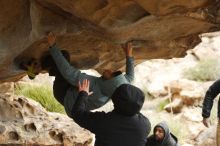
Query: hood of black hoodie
x=128 y=99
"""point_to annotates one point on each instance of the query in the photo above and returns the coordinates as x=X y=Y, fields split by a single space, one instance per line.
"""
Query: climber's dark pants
x=60 y=88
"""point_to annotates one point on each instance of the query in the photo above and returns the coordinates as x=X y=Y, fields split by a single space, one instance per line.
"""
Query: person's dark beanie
x=128 y=99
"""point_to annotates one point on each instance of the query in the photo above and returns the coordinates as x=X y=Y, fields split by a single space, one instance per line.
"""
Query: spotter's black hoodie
x=124 y=126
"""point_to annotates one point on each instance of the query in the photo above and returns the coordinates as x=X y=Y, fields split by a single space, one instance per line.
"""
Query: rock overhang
x=92 y=31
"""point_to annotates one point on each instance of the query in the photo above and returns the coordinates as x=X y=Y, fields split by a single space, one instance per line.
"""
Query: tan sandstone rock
x=7 y=87
x=93 y=30
x=184 y=92
x=25 y=122
x=175 y=106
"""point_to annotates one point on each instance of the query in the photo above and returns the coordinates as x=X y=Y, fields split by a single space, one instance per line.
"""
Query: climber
x=67 y=77
x=162 y=136
x=124 y=126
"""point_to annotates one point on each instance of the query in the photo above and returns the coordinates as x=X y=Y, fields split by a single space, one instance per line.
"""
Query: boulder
x=7 y=87
x=207 y=137
x=175 y=106
x=92 y=31
x=25 y=122
x=190 y=92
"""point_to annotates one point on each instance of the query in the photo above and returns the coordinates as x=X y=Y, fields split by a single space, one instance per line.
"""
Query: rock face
x=182 y=92
x=25 y=122
x=93 y=30
x=165 y=78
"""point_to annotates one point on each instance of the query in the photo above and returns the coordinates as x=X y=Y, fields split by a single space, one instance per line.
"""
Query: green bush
x=162 y=104
x=42 y=94
x=205 y=70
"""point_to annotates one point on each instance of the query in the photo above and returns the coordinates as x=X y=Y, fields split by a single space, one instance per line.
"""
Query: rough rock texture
x=25 y=122
x=93 y=30
x=182 y=92
x=7 y=87
x=175 y=106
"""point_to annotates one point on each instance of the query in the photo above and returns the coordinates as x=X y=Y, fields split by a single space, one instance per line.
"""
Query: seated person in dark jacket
x=162 y=136
x=124 y=126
